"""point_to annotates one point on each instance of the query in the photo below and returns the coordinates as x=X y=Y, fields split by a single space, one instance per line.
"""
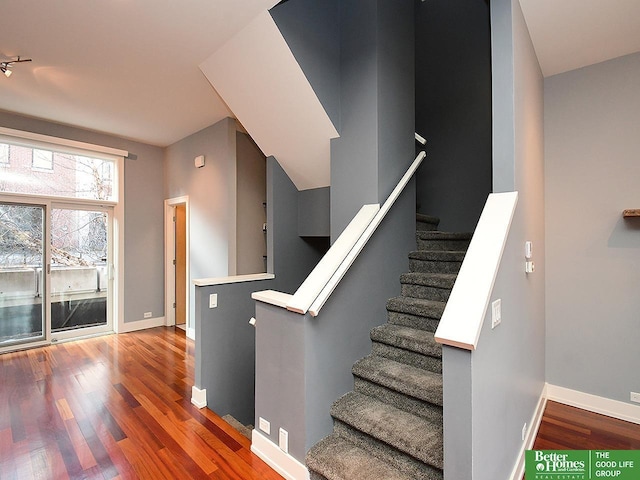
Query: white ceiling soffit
x=570 y=34
x=262 y=83
x=128 y=68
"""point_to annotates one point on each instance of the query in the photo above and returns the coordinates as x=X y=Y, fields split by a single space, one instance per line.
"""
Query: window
x=4 y=154
x=42 y=159
x=77 y=175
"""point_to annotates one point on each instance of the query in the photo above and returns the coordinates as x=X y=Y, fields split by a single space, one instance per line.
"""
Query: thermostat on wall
x=199 y=161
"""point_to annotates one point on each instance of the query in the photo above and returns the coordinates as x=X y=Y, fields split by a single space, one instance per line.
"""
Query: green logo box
x=582 y=464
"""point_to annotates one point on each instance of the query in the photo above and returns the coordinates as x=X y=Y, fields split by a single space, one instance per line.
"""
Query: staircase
x=390 y=426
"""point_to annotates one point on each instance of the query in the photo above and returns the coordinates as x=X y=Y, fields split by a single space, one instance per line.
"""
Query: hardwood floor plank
x=115 y=407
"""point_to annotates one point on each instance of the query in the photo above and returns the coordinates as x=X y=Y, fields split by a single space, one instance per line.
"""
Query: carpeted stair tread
x=430 y=411
x=437 y=280
x=407 y=338
x=416 y=306
x=418 y=360
x=426 y=222
x=409 y=433
x=438 y=255
x=406 y=379
x=416 y=469
x=335 y=458
x=438 y=235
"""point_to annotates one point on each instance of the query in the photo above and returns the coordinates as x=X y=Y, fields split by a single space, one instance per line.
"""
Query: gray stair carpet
x=390 y=426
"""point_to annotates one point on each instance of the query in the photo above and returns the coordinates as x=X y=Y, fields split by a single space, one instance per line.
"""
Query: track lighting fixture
x=5 y=67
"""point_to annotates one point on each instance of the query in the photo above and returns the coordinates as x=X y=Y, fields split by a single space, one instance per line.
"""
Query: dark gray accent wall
x=290 y=257
x=453 y=109
x=376 y=98
x=312 y=31
x=313 y=212
x=251 y=214
x=144 y=220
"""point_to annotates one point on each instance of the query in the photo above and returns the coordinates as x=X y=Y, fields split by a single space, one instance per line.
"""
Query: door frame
x=169 y=267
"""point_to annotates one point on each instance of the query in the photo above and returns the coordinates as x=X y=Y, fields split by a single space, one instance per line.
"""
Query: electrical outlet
x=213 y=300
x=264 y=426
x=496 y=313
x=283 y=440
x=524 y=432
x=635 y=397
x=147 y=314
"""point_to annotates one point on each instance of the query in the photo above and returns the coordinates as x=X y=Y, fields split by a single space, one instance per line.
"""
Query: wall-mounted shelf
x=632 y=212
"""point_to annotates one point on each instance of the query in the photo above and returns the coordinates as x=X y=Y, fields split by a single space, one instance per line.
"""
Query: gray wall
x=225 y=348
x=225 y=343
x=592 y=171
x=144 y=220
x=251 y=241
x=290 y=257
x=507 y=370
x=377 y=105
x=312 y=31
x=313 y=212
x=212 y=198
x=453 y=110
x=375 y=149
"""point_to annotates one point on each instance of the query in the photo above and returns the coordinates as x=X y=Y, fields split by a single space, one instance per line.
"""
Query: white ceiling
x=130 y=67
x=125 y=67
x=570 y=34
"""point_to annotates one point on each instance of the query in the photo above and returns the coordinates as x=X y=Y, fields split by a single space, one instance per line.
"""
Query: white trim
x=252 y=277
x=281 y=462
x=199 y=396
x=464 y=313
x=272 y=297
x=37 y=138
x=593 y=403
x=532 y=433
x=118 y=249
x=141 y=325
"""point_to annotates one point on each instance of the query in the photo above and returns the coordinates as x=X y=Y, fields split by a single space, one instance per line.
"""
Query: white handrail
x=342 y=269
x=324 y=270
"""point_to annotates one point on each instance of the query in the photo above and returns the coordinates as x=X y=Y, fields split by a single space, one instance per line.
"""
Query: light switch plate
x=213 y=300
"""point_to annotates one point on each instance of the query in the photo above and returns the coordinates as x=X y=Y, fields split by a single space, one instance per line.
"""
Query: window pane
x=79 y=277
x=43 y=159
x=21 y=274
x=4 y=153
x=44 y=172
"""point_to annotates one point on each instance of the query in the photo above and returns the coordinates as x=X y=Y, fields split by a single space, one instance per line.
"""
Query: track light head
x=5 y=67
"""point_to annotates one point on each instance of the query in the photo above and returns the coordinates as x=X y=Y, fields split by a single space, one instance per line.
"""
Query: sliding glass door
x=55 y=272
x=80 y=279
x=22 y=281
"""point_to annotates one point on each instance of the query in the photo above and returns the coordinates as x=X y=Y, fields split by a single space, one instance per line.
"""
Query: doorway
x=177 y=294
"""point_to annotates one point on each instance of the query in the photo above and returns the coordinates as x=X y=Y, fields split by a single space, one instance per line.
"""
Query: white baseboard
x=141 y=325
x=534 y=426
x=281 y=462
x=199 y=397
x=594 y=403
x=191 y=333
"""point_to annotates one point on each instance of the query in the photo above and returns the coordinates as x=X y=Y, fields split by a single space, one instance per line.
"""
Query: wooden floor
x=570 y=428
x=114 y=407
